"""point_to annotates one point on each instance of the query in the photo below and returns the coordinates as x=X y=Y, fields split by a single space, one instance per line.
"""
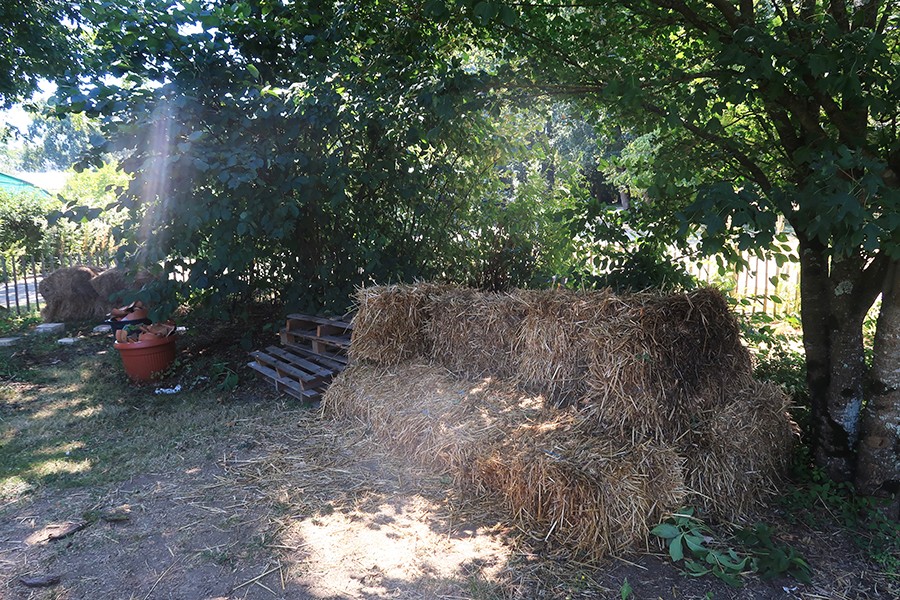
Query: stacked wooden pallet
x=313 y=350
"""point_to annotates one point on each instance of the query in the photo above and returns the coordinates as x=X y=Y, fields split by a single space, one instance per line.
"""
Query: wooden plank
x=307 y=380
x=331 y=330
x=313 y=368
x=325 y=340
x=336 y=362
x=285 y=385
x=321 y=320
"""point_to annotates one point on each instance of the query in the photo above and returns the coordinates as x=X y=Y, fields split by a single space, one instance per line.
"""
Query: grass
x=69 y=418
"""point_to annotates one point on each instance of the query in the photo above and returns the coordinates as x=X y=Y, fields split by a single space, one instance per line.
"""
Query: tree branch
x=871 y=281
x=727 y=11
x=726 y=144
x=838 y=10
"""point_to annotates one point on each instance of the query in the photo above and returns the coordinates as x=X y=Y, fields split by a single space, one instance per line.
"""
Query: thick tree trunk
x=878 y=470
x=835 y=356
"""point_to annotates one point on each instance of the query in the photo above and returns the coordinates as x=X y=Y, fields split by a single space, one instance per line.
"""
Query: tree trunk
x=835 y=356
x=878 y=470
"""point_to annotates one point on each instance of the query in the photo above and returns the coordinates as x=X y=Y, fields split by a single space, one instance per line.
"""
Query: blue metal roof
x=14 y=184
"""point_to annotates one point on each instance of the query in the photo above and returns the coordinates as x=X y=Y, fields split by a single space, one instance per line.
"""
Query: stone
x=7 y=342
x=102 y=328
x=50 y=328
x=67 y=341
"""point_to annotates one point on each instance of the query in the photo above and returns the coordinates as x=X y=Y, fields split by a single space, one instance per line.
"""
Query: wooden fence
x=764 y=286
x=21 y=276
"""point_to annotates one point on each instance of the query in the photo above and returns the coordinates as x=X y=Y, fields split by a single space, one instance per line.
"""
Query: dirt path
x=292 y=514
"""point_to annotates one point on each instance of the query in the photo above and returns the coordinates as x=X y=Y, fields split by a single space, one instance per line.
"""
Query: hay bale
x=553 y=348
x=69 y=296
x=595 y=494
x=389 y=322
x=112 y=284
x=421 y=411
x=474 y=333
x=739 y=454
x=651 y=361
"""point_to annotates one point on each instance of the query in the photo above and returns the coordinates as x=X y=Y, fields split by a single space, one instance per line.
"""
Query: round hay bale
x=109 y=285
x=69 y=296
x=738 y=456
x=474 y=333
x=595 y=494
x=389 y=322
x=553 y=348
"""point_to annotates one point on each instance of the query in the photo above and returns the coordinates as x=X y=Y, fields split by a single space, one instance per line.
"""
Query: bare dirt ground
x=215 y=494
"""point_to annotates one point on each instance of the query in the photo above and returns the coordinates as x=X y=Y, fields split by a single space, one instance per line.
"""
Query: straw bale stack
x=738 y=454
x=595 y=494
x=474 y=333
x=667 y=409
x=69 y=296
x=554 y=344
x=388 y=326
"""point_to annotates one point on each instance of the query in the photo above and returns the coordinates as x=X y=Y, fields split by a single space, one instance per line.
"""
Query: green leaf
x=665 y=531
x=253 y=71
x=676 y=549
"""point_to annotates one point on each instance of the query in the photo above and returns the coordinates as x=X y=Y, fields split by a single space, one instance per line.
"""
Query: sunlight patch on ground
x=12 y=488
x=57 y=465
x=375 y=554
x=90 y=411
x=65 y=448
x=53 y=408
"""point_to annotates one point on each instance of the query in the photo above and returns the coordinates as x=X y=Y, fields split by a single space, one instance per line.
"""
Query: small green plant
x=225 y=377
x=688 y=540
x=771 y=560
x=625 y=592
x=691 y=543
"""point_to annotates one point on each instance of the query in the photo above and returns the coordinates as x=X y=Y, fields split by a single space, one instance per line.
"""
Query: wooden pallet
x=313 y=351
x=323 y=336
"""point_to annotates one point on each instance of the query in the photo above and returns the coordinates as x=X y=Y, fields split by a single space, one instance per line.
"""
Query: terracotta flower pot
x=147 y=360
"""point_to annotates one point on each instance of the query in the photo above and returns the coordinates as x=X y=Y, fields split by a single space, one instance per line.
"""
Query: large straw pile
x=667 y=410
x=69 y=296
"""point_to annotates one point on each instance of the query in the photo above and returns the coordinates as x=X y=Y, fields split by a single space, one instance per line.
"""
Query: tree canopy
x=37 y=40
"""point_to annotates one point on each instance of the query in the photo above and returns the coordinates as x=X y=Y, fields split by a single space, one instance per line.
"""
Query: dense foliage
x=304 y=150
x=37 y=40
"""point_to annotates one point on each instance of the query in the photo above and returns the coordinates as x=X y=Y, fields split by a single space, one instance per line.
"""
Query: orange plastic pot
x=147 y=360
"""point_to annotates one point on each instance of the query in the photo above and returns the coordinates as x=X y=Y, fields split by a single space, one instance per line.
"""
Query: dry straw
x=69 y=296
x=474 y=333
x=554 y=344
x=667 y=404
x=388 y=326
x=422 y=411
x=738 y=454
x=595 y=494
x=650 y=361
